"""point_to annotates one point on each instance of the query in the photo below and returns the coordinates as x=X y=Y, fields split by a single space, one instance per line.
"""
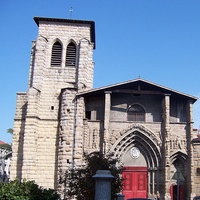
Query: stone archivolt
x=140 y=136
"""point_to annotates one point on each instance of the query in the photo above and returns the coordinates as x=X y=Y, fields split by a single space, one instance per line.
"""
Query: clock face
x=135 y=152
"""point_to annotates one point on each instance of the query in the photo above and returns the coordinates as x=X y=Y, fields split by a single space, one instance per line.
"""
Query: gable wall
x=151 y=104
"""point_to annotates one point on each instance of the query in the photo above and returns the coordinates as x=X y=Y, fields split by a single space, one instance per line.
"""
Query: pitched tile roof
x=2 y=142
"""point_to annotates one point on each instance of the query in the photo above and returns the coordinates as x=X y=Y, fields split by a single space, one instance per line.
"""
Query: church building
x=149 y=127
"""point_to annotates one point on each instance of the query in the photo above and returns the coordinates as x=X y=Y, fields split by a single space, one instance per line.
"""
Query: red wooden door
x=135 y=182
x=173 y=192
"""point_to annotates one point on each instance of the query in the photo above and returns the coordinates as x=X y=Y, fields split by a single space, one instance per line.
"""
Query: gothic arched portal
x=139 y=150
x=178 y=175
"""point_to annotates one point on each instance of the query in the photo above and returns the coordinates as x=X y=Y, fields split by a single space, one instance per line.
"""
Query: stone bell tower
x=61 y=66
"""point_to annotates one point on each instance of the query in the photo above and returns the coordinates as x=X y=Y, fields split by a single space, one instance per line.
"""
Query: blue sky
x=158 y=40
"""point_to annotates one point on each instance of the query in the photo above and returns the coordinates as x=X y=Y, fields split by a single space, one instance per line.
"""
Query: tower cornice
x=69 y=21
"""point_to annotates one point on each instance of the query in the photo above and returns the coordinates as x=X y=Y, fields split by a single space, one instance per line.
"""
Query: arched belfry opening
x=139 y=152
x=56 y=54
x=71 y=52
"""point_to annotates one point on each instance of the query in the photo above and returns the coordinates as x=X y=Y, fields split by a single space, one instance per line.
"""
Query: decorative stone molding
x=130 y=130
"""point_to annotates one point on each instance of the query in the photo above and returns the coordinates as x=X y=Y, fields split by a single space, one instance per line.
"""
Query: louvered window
x=136 y=113
x=56 y=56
x=71 y=55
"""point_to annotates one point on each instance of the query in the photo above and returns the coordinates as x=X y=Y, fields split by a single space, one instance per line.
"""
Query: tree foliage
x=10 y=130
x=6 y=147
x=26 y=190
x=79 y=181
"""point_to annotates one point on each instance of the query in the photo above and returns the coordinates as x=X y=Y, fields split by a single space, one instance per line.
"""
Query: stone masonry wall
x=18 y=136
x=38 y=129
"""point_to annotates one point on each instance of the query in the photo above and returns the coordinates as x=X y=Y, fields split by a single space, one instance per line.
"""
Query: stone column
x=106 y=119
x=103 y=184
x=166 y=144
x=190 y=149
x=66 y=136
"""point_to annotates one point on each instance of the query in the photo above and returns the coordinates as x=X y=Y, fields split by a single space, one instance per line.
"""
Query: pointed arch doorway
x=135 y=182
x=178 y=188
x=176 y=193
x=138 y=150
x=134 y=174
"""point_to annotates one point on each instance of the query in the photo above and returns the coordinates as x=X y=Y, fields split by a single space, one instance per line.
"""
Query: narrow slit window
x=136 y=113
x=56 y=56
x=88 y=115
x=198 y=171
x=71 y=55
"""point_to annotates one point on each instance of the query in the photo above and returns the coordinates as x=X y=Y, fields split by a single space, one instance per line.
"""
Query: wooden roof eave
x=114 y=88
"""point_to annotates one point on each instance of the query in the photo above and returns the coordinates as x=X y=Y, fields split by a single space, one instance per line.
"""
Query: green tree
x=26 y=190
x=6 y=147
x=79 y=181
x=10 y=130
